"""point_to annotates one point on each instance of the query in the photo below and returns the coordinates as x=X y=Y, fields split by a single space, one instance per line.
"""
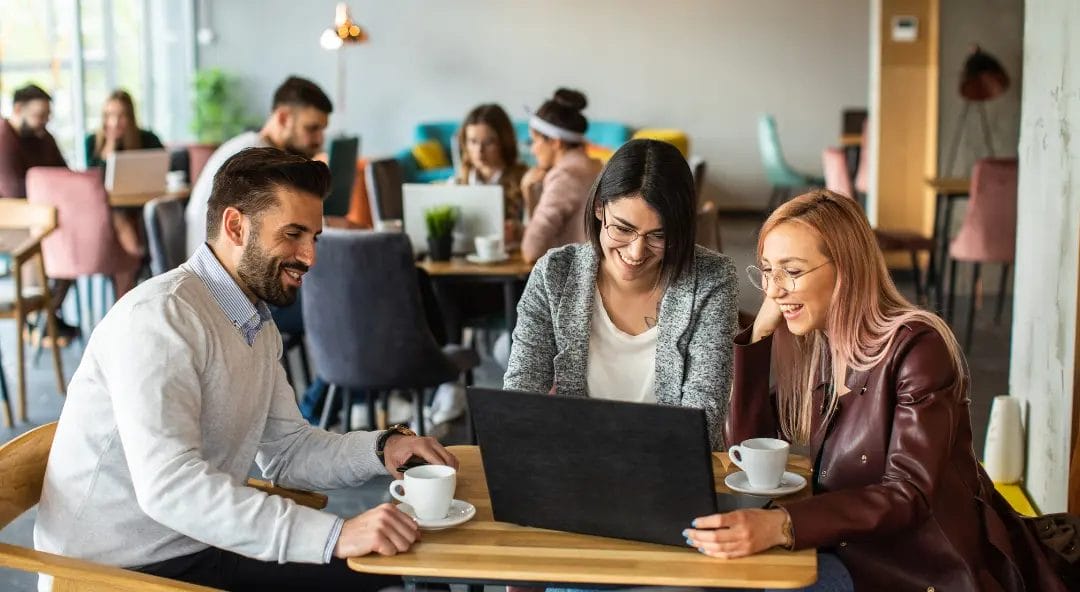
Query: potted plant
x=440 y=222
x=219 y=112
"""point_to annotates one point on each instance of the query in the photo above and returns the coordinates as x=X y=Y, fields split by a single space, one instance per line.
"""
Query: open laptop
x=136 y=172
x=480 y=210
x=609 y=468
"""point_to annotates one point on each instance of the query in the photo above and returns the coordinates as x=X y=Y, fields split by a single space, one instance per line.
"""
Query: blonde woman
x=119 y=130
x=877 y=389
x=489 y=156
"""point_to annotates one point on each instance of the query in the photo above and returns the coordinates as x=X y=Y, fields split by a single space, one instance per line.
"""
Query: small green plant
x=440 y=220
x=219 y=113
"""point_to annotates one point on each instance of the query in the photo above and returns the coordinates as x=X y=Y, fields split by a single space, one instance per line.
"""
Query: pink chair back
x=84 y=242
x=988 y=233
x=198 y=154
x=837 y=179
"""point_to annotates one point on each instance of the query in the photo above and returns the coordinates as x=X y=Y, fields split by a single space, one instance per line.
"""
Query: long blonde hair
x=131 y=140
x=864 y=317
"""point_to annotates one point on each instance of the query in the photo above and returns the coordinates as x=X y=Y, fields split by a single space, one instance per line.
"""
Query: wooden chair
x=38 y=221
x=22 y=472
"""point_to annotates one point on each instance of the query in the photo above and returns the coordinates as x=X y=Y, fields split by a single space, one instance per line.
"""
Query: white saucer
x=474 y=258
x=460 y=513
x=789 y=483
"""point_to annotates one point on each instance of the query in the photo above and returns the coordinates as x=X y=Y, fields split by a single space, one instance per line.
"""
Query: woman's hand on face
x=739 y=533
x=768 y=319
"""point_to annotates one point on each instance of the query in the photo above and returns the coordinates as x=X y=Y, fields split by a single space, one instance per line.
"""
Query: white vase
x=1004 y=452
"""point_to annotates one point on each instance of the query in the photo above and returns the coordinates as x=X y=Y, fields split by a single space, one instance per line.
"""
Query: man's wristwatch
x=394 y=430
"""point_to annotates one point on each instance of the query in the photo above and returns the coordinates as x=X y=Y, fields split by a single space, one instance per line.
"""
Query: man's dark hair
x=31 y=92
x=301 y=92
x=249 y=181
x=657 y=172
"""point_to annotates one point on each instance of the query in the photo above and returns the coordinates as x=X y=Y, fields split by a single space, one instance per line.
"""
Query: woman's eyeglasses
x=784 y=280
x=627 y=235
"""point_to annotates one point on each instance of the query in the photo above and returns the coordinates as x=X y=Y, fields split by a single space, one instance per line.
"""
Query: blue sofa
x=610 y=134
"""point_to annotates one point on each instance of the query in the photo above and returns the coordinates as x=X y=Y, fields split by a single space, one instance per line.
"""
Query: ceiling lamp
x=345 y=30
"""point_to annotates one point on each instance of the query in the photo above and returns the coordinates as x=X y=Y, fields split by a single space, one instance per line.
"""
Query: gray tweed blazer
x=694 y=351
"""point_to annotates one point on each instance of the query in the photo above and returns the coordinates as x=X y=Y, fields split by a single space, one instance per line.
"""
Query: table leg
x=941 y=246
x=509 y=301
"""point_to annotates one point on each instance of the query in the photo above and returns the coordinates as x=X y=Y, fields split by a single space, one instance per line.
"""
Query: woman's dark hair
x=248 y=181
x=656 y=172
x=564 y=110
x=493 y=116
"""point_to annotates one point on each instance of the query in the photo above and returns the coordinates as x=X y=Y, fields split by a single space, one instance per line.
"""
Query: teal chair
x=784 y=179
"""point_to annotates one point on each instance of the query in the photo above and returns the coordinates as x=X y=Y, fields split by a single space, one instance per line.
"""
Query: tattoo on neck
x=650 y=322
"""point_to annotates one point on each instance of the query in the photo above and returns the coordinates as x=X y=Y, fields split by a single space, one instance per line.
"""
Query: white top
x=198 y=201
x=163 y=418
x=621 y=367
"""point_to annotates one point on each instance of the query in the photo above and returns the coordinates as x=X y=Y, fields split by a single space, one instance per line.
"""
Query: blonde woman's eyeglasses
x=760 y=278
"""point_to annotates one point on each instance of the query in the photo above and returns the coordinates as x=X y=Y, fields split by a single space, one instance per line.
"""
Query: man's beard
x=262 y=274
x=29 y=132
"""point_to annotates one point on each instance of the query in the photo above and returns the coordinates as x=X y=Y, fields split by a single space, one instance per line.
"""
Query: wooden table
x=508 y=273
x=947 y=191
x=485 y=551
x=138 y=200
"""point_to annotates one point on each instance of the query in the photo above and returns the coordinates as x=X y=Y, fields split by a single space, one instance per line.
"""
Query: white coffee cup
x=175 y=180
x=429 y=489
x=389 y=225
x=489 y=247
x=762 y=459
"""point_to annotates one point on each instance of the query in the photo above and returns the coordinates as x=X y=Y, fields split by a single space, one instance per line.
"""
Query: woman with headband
x=557 y=188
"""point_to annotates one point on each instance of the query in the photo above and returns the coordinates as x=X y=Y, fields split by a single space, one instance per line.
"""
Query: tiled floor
x=989 y=369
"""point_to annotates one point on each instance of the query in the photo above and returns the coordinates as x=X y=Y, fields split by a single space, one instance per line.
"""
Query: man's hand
x=399 y=449
x=384 y=530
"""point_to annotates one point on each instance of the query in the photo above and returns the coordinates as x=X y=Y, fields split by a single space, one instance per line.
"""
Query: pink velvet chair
x=988 y=233
x=84 y=242
x=838 y=180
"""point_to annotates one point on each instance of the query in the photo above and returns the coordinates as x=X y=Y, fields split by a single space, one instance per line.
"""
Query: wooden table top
x=485 y=550
x=950 y=186
x=515 y=266
x=138 y=200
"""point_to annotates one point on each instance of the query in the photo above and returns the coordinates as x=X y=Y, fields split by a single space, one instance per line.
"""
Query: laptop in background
x=592 y=466
x=480 y=208
x=136 y=172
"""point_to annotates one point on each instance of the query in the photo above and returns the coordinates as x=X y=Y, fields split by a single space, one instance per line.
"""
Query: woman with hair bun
x=557 y=188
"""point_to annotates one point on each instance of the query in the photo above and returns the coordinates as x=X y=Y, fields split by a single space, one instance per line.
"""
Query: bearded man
x=180 y=389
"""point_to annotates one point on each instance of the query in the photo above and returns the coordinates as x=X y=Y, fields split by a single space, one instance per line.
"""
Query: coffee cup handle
x=398 y=496
x=734 y=453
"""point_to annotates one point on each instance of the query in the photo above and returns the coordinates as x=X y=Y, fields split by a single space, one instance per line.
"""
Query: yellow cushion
x=678 y=138
x=1014 y=494
x=429 y=154
x=601 y=153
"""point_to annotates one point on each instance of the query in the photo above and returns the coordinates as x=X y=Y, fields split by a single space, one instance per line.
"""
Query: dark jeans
x=228 y=571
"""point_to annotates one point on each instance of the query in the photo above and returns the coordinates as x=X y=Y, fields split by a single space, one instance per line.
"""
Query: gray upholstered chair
x=165 y=233
x=384 y=179
x=366 y=325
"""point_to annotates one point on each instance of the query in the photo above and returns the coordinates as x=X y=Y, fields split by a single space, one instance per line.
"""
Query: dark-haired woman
x=489 y=156
x=557 y=188
x=639 y=312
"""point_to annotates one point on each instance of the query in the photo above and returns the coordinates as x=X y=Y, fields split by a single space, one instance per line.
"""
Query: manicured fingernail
x=689 y=543
x=700 y=550
x=693 y=523
x=686 y=533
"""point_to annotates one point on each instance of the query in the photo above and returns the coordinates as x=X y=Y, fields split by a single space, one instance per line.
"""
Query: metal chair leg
x=346 y=412
x=328 y=402
x=920 y=293
x=384 y=404
x=1005 y=269
x=370 y=398
x=305 y=366
x=4 y=395
x=951 y=289
x=977 y=267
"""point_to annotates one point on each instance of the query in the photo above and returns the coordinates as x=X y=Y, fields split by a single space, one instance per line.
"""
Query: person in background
x=25 y=143
x=297 y=123
x=119 y=131
x=489 y=156
x=557 y=188
x=878 y=390
x=638 y=313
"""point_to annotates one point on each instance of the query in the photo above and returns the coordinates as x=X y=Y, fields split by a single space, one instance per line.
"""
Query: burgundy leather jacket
x=899 y=496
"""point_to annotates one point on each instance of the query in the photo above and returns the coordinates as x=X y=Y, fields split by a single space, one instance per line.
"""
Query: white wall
x=706 y=66
x=1048 y=245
